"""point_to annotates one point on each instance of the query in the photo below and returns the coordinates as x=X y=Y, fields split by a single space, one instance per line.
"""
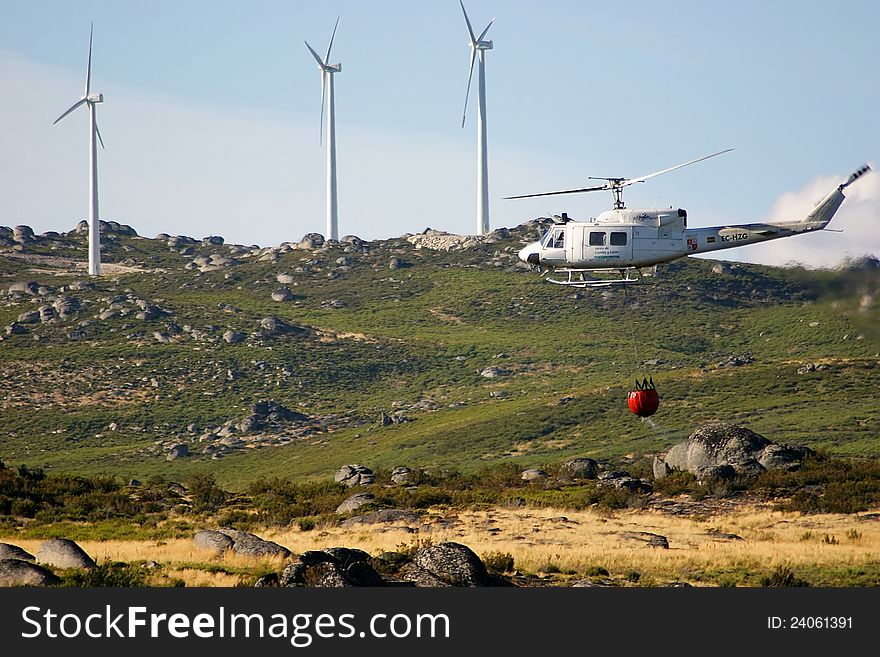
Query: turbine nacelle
x=95 y=98
x=482 y=45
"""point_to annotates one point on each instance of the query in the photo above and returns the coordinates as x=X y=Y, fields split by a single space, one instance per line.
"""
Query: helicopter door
x=554 y=248
x=574 y=251
x=608 y=247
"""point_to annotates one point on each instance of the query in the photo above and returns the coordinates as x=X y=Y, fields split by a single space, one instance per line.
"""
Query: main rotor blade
x=315 y=55
x=566 y=191
x=630 y=181
x=73 y=107
x=89 y=67
x=332 y=36
x=480 y=38
x=468 y=21
x=468 y=92
x=98 y=132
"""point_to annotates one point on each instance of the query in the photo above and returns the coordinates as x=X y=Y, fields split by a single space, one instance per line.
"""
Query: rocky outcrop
x=276 y=326
x=442 y=565
x=715 y=449
x=577 y=469
x=354 y=475
x=233 y=337
x=354 y=502
x=253 y=546
x=621 y=480
x=23 y=234
x=533 y=474
x=402 y=476
x=282 y=294
x=384 y=516
x=239 y=542
x=454 y=564
x=63 y=553
x=271 y=411
x=311 y=241
x=9 y=551
x=18 y=572
x=208 y=539
x=24 y=287
x=439 y=240
x=333 y=567
x=178 y=451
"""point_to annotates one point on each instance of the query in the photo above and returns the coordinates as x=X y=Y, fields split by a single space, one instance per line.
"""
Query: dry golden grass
x=580 y=540
x=542 y=539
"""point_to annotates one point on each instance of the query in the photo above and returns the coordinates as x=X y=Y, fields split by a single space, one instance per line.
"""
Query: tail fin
x=828 y=206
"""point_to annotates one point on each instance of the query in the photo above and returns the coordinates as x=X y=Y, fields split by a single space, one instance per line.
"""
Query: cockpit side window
x=559 y=239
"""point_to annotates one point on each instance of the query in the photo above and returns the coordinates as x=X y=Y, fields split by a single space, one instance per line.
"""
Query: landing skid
x=578 y=277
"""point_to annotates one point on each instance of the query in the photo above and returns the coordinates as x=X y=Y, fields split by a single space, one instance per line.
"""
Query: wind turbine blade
x=332 y=36
x=468 y=21
x=630 y=181
x=98 y=132
x=566 y=191
x=73 y=107
x=480 y=38
x=324 y=75
x=89 y=67
x=468 y=92
x=315 y=55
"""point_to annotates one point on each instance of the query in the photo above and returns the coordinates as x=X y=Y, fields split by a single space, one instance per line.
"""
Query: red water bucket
x=644 y=403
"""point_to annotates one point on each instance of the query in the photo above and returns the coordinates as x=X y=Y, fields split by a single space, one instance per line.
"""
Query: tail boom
x=703 y=240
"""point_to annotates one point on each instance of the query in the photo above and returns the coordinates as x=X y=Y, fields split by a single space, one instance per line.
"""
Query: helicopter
x=627 y=242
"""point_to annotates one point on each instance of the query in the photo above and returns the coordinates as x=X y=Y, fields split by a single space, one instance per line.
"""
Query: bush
x=782 y=577
x=499 y=562
x=280 y=501
x=596 y=571
x=110 y=574
x=206 y=496
x=306 y=524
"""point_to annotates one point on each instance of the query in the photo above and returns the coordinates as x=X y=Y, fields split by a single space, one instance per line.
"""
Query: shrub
x=306 y=524
x=109 y=574
x=499 y=562
x=596 y=571
x=280 y=501
x=206 y=496
x=782 y=577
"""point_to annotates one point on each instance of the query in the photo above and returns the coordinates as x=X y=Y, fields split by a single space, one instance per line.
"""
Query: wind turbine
x=91 y=100
x=478 y=50
x=328 y=70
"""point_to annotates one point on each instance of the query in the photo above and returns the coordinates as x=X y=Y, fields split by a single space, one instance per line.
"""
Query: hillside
x=291 y=361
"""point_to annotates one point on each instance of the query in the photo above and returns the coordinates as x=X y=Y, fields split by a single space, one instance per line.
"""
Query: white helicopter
x=624 y=242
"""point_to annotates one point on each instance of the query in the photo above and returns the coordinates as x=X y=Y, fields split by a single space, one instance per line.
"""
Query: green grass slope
x=386 y=328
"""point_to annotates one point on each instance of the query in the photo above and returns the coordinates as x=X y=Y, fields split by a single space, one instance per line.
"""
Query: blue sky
x=212 y=108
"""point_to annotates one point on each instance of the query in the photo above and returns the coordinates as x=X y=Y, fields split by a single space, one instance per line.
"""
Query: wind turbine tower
x=91 y=100
x=479 y=46
x=328 y=70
